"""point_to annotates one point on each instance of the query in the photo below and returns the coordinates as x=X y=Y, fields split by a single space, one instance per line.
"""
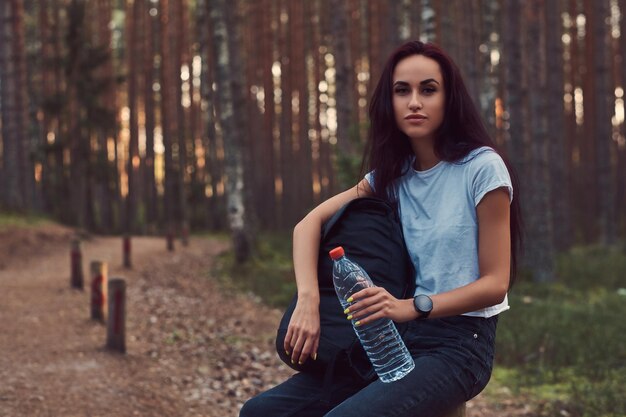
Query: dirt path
x=192 y=349
x=188 y=354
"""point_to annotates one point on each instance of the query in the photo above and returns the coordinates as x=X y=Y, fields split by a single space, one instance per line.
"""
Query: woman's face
x=418 y=97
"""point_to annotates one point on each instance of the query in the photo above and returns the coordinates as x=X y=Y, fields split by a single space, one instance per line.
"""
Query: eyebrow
x=427 y=81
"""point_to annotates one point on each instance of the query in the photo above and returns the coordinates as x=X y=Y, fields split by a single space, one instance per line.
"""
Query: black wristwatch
x=423 y=305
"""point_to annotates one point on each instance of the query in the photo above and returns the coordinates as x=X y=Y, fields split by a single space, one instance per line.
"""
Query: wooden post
x=170 y=238
x=116 y=324
x=185 y=233
x=458 y=412
x=126 y=251
x=98 y=290
x=76 y=265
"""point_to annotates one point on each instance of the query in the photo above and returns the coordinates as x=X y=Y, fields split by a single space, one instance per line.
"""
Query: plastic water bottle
x=380 y=338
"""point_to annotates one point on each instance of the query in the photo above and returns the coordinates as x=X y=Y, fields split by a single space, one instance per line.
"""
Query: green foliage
x=20 y=220
x=571 y=335
x=593 y=266
x=606 y=398
x=348 y=166
x=268 y=274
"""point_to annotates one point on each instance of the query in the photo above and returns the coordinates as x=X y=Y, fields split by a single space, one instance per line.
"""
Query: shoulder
x=486 y=171
x=481 y=155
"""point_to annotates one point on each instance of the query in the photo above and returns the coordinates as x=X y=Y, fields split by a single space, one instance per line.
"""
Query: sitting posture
x=430 y=156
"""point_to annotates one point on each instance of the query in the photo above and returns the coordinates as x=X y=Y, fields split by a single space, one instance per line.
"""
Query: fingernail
x=349 y=317
x=350 y=300
x=315 y=356
x=292 y=362
x=358 y=323
x=300 y=362
x=346 y=311
x=287 y=352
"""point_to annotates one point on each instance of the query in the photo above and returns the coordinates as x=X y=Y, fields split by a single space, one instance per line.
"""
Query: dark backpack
x=370 y=232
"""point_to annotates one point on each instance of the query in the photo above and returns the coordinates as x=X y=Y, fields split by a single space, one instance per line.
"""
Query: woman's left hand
x=374 y=303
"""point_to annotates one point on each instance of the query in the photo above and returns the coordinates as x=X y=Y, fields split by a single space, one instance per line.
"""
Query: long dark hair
x=461 y=131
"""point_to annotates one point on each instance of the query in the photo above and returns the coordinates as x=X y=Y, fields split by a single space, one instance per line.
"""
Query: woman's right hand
x=303 y=334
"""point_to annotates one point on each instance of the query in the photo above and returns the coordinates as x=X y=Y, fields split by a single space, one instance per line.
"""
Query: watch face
x=423 y=304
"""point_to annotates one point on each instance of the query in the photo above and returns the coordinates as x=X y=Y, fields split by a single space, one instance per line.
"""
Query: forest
x=153 y=115
x=215 y=117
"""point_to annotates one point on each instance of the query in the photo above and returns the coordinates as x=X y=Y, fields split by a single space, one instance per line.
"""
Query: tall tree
x=180 y=55
x=107 y=172
x=344 y=82
x=266 y=183
x=150 y=26
x=229 y=94
x=287 y=212
x=621 y=161
x=133 y=14
x=488 y=78
x=560 y=204
x=603 y=129
x=214 y=167
x=538 y=213
x=166 y=87
x=515 y=85
x=14 y=106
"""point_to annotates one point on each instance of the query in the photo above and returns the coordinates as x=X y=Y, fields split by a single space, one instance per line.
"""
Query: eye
x=429 y=90
x=401 y=90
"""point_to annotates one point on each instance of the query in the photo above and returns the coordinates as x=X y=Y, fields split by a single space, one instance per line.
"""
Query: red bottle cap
x=336 y=253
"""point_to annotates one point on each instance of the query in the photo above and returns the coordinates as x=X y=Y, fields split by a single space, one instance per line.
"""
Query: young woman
x=429 y=154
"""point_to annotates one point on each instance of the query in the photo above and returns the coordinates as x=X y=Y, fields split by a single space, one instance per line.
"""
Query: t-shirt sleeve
x=489 y=173
x=369 y=177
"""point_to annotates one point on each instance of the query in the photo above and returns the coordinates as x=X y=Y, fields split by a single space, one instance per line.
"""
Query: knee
x=252 y=408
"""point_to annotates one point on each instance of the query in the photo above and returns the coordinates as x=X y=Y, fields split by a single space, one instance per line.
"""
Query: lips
x=415 y=117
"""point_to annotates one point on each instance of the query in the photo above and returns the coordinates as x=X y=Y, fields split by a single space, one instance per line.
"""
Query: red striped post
x=76 y=265
x=126 y=251
x=98 y=290
x=116 y=324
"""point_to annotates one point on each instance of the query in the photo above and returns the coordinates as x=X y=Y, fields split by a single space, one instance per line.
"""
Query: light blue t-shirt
x=438 y=213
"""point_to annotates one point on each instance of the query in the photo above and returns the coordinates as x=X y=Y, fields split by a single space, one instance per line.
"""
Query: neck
x=425 y=157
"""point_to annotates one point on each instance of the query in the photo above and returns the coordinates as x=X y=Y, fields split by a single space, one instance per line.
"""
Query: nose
x=415 y=103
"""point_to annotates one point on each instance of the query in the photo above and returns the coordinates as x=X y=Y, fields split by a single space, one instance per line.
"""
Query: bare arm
x=302 y=338
x=494 y=249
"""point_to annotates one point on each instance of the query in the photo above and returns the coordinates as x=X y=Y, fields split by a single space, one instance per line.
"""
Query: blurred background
x=152 y=116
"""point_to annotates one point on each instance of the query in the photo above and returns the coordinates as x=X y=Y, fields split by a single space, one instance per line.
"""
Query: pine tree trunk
x=228 y=95
x=166 y=84
x=488 y=76
x=133 y=14
x=340 y=31
x=180 y=52
x=287 y=213
x=621 y=160
x=305 y=163
x=560 y=204
x=415 y=13
x=428 y=22
x=539 y=252
x=215 y=209
x=150 y=190
x=603 y=128
x=13 y=101
x=515 y=85
x=266 y=154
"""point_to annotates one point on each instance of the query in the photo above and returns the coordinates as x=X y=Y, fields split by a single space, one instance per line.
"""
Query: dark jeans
x=453 y=362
